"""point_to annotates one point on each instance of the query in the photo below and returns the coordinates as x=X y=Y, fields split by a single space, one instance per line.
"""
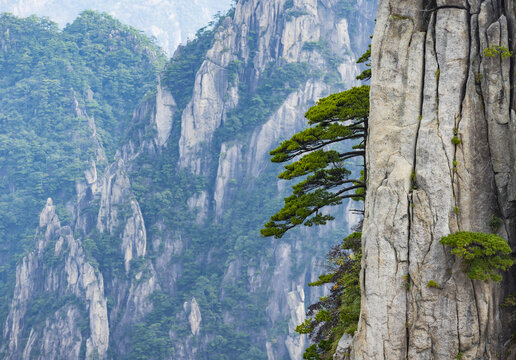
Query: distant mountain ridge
x=170 y=22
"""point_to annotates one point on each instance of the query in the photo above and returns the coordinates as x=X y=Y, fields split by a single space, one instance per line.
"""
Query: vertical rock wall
x=432 y=82
x=155 y=253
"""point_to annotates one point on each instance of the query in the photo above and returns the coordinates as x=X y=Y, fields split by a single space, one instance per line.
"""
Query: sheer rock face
x=165 y=106
x=432 y=81
x=280 y=37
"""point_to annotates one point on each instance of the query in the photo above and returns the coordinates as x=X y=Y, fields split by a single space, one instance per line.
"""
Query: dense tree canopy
x=338 y=312
x=52 y=83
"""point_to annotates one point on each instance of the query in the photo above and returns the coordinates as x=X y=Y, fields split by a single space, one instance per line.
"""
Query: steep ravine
x=432 y=80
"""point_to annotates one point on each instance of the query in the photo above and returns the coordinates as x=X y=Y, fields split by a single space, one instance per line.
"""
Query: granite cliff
x=435 y=79
x=159 y=255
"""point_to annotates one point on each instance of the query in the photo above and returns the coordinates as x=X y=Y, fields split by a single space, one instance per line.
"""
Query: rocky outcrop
x=165 y=106
x=58 y=300
x=195 y=317
x=281 y=36
x=64 y=281
x=432 y=81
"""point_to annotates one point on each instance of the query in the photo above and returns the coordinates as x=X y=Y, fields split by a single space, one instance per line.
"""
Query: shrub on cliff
x=483 y=255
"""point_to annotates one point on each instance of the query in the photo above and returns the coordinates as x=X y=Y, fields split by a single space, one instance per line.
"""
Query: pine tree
x=335 y=119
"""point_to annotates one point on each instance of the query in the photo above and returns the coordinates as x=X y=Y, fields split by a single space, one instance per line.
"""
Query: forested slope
x=170 y=22
x=66 y=98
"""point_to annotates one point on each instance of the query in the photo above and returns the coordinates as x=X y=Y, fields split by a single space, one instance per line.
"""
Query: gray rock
x=61 y=336
x=343 y=348
x=432 y=82
x=285 y=266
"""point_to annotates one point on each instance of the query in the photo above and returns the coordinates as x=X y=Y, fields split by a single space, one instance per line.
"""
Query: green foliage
x=51 y=81
x=150 y=340
x=495 y=50
x=325 y=182
x=124 y=64
x=137 y=266
x=306 y=326
x=337 y=313
x=346 y=7
x=333 y=60
x=509 y=301
x=413 y=181
x=407 y=282
x=288 y=5
x=336 y=118
x=103 y=252
x=255 y=106
x=456 y=141
x=328 y=116
x=46 y=305
x=312 y=45
x=483 y=255
x=291 y=12
x=234 y=68
x=495 y=222
x=179 y=75
x=163 y=192
x=433 y=284
x=399 y=17
x=366 y=60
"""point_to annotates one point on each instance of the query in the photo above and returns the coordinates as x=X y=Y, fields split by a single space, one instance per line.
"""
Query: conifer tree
x=334 y=119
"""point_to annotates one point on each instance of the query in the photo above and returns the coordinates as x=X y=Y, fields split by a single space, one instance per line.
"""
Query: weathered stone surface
x=343 y=350
x=195 y=317
x=431 y=82
x=296 y=304
x=165 y=106
x=281 y=37
x=229 y=169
